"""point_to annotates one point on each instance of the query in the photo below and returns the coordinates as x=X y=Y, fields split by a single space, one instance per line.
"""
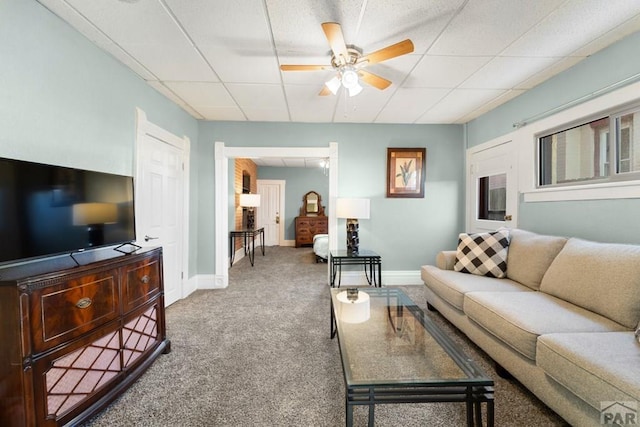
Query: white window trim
x=526 y=141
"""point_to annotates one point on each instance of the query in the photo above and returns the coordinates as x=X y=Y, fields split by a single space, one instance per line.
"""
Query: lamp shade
x=352 y=208
x=94 y=213
x=250 y=200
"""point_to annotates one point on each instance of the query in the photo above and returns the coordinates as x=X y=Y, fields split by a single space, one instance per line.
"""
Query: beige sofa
x=562 y=321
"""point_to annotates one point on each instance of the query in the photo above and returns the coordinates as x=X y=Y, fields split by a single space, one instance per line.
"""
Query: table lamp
x=352 y=210
x=250 y=201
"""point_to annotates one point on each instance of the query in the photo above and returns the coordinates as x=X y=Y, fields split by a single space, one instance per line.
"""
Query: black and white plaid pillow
x=484 y=254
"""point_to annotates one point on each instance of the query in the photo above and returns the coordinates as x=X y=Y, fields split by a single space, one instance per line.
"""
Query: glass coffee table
x=397 y=354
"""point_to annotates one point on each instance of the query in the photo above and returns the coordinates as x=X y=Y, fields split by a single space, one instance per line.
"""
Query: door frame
x=503 y=146
x=145 y=127
x=222 y=154
x=281 y=183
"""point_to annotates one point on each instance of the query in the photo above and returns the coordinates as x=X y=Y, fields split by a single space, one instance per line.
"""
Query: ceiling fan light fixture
x=350 y=78
x=333 y=85
x=356 y=89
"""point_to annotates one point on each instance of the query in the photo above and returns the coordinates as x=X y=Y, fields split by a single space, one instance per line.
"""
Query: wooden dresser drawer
x=141 y=283
x=63 y=311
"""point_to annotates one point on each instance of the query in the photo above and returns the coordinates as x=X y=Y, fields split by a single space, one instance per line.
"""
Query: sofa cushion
x=451 y=286
x=601 y=277
x=597 y=367
x=530 y=255
x=518 y=318
x=484 y=254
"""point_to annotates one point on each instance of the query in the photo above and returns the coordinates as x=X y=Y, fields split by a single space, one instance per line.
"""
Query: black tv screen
x=47 y=210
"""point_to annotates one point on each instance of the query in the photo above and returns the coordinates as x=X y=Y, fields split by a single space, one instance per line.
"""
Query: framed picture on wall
x=406 y=170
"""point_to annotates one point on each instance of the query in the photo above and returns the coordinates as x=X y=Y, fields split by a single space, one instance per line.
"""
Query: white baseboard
x=349 y=278
x=190 y=286
x=211 y=281
x=288 y=243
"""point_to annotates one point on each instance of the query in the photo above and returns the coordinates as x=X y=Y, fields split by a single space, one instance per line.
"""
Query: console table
x=371 y=261
x=74 y=337
x=249 y=236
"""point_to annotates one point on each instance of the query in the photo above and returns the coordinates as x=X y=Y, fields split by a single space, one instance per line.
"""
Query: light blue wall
x=64 y=101
x=600 y=220
x=299 y=181
x=406 y=232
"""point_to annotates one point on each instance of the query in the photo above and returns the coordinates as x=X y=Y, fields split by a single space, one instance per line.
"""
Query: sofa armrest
x=445 y=260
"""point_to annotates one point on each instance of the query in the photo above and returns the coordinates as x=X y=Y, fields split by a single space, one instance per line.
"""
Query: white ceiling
x=219 y=59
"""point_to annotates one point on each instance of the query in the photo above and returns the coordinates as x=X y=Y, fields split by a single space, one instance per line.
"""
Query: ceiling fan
x=348 y=62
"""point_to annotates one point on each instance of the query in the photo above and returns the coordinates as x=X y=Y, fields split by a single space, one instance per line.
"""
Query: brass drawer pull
x=145 y=279
x=84 y=302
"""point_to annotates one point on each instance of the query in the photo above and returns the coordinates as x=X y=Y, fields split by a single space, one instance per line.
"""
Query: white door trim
x=282 y=184
x=221 y=211
x=499 y=146
x=145 y=127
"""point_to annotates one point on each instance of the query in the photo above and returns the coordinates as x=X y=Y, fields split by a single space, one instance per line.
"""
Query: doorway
x=492 y=188
x=161 y=198
x=221 y=217
x=272 y=197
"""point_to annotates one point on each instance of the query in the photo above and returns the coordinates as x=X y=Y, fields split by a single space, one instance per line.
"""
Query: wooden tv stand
x=73 y=338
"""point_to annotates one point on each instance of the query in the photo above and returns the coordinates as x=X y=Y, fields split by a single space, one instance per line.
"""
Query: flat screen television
x=49 y=210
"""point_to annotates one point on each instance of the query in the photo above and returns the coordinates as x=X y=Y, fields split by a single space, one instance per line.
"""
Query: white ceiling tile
x=422 y=24
x=550 y=71
x=305 y=105
x=257 y=95
x=486 y=107
x=200 y=94
x=160 y=87
x=222 y=113
x=486 y=27
x=458 y=103
x=364 y=107
x=142 y=22
x=177 y=63
x=220 y=59
x=266 y=114
x=506 y=72
x=444 y=71
x=407 y=105
x=575 y=23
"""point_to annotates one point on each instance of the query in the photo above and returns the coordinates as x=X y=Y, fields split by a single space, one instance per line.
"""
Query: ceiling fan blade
x=325 y=91
x=305 y=67
x=374 y=80
x=333 y=31
x=400 y=48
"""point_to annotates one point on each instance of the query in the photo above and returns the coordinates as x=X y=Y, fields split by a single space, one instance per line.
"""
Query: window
x=492 y=197
x=584 y=153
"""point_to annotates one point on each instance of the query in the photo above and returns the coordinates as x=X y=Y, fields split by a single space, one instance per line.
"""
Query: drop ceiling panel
x=170 y=62
x=487 y=27
x=211 y=57
x=576 y=23
x=506 y=72
x=407 y=105
x=445 y=71
x=201 y=94
x=449 y=110
x=306 y=106
x=425 y=21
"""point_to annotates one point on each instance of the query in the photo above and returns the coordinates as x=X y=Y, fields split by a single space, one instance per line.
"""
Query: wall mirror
x=312 y=205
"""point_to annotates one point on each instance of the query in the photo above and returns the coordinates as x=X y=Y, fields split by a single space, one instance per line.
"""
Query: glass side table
x=371 y=261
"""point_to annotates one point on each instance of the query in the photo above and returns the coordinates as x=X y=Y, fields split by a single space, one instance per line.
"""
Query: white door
x=271 y=210
x=492 y=190
x=160 y=211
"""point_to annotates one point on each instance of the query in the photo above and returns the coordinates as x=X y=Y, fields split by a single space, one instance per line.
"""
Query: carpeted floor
x=259 y=354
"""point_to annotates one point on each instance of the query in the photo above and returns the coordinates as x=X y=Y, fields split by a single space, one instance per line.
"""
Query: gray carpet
x=258 y=354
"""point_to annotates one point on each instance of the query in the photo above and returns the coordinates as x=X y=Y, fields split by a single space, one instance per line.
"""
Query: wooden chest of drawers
x=309 y=226
x=74 y=338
